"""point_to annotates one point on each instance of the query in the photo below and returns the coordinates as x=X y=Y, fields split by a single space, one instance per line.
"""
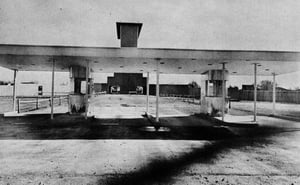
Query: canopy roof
x=138 y=60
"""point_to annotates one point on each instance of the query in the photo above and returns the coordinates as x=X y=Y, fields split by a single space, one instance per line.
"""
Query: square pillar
x=87 y=70
x=255 y=92
x=223 y=91
x=147 y=94
x=274 y=94
x=157 y=93
x=14 y=91
x=52 y=89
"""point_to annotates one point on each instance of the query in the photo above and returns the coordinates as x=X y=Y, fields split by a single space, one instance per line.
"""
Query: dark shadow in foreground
x=75 y=127
x=163 y=171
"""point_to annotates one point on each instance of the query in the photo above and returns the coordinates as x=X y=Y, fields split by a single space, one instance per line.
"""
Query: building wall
x=22 y=90
x=233 y=93
x=172 y=89
x=169 y=89
x=32 y=89
x=127 y=82
x=100 y=87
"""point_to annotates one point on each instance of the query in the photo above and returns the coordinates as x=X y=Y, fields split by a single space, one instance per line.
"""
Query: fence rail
x=25 y=104
x=281 y=96
x=183 y=97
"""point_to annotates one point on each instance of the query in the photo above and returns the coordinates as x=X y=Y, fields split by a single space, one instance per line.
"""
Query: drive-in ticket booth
x=211 y=93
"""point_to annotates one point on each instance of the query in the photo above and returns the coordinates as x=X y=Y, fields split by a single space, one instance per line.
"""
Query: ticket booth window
x=213 y=88
x=83 y=87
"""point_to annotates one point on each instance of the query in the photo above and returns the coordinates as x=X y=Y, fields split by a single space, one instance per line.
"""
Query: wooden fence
x=25 y=104
x=281 y=96
x=184 y=98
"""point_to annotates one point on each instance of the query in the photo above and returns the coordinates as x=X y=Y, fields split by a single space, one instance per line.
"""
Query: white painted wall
x=6 y=90
x=32 y=89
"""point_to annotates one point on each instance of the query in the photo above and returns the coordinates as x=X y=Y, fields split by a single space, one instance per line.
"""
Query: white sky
x=194 y=24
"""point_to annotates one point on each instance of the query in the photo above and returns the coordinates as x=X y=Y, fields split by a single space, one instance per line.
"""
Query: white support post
x=52 y=88
x=91 y=90
x=200 y=93
x=14 y=91
x=147 y=89
x=72 y=84
x=223 y=91
x=87 y=70
x=157 y=92
x=274 y=94
x=255 y=91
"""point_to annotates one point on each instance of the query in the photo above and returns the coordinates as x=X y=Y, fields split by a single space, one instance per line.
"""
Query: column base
x=213 y=106
x=77 y=103
x=11 y=114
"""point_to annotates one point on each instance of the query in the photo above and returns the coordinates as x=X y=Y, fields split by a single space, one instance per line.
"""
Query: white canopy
x=138 y=60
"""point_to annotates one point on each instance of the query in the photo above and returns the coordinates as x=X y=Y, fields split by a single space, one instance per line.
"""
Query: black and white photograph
x=138 y=92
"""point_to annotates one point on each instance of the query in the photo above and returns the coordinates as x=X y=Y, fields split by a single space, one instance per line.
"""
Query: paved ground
x=71 y=150
x=133 y=106
x=120 y=106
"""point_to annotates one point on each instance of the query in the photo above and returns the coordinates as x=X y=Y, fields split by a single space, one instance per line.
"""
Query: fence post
x=59 y=101
x=18 y=100
x=37 y=102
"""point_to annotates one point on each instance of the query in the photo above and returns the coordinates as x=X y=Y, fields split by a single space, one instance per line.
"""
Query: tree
x=5 y=82
x=265 y=85
x=193 y=84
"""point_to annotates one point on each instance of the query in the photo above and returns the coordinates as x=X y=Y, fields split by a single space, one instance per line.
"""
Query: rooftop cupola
x=128 y=33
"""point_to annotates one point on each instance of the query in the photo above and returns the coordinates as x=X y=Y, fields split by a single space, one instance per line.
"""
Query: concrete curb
x=285 y=117
x=229 y=124
x=151 y=119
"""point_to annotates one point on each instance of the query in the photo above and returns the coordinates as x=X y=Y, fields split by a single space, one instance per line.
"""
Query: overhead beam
x=36 y=58
x=105 y=52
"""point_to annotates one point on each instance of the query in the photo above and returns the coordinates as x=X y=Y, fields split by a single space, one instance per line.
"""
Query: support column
x=91 y=106
x=274 y=94
x=147 y=93
x=87 y=70
x=14 y=90
x=157 y=92
x=52 y=88
x=255 y=91
x=223 y=91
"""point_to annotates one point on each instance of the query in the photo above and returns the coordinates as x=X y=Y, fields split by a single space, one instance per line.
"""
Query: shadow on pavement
x=158 y=171
x=76 y=127
x=164 y=171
